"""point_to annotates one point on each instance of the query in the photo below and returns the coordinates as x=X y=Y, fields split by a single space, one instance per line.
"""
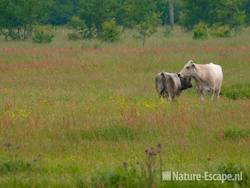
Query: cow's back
x=175 y=78
x=170 y=82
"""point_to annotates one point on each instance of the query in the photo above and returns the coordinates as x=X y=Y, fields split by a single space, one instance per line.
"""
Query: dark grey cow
x=169 y=85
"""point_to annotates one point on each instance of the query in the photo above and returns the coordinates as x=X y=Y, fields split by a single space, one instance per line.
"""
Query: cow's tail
x=164 y=84
x=164 y=81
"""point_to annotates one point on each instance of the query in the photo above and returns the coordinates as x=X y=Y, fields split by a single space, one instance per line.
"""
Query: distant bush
x=110 y=31
x=237 y=91
x=10 y=34
x=42 y=35
x=80 y=30
x=221 y=31
x=77 y=26
x=233 y=133
x=200 y=31
x=20 y=33
x=76 y=23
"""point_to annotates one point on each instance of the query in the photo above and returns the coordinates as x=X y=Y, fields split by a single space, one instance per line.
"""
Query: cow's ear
x=193 y=65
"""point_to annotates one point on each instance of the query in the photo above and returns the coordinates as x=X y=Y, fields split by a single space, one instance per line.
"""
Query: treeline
x=106 y=18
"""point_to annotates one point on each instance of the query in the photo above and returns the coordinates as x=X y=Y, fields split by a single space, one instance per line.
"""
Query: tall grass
x=84 y=110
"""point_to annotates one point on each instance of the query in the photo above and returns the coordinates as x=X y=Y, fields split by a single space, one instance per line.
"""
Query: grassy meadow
x=72 y=111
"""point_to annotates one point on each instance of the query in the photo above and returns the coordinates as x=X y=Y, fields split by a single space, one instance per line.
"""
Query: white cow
x=208 y=77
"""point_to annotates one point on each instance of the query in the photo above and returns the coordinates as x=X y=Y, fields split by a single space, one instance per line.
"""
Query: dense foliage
x=222 y=12
x=19 y=16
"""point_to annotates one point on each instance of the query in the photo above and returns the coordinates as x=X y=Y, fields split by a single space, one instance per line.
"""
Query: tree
x=95 y=12
x=78 y=29
x=137 y=11
x=18 y=16
x=171 y=12
x=61 y=11
x=147 y=27
x=162 y=8
x=220 y=12
x=195 y=11
x=228 y=12
x=246 y=8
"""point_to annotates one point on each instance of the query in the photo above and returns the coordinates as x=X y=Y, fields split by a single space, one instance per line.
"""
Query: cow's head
x=188 y=69
x=186 y=82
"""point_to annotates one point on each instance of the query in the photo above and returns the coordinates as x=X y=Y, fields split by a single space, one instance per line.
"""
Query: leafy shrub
x=77 y=26
x=10 y=34
x=200 y=31
x=42 y=35
x=237 y=91
x=20 y=33
x=80 y=30
x=110 y=31
x=233 y=133
x=220 y=31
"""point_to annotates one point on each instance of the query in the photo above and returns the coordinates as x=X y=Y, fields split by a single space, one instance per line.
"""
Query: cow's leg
x=163 y=96
x=166 y=95
x=213 y=93
x=170 y=96
x=201 y=93
x=217 y=93
x=173 y=97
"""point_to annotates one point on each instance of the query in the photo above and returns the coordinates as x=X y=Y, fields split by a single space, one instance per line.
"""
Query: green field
x=72 y=113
